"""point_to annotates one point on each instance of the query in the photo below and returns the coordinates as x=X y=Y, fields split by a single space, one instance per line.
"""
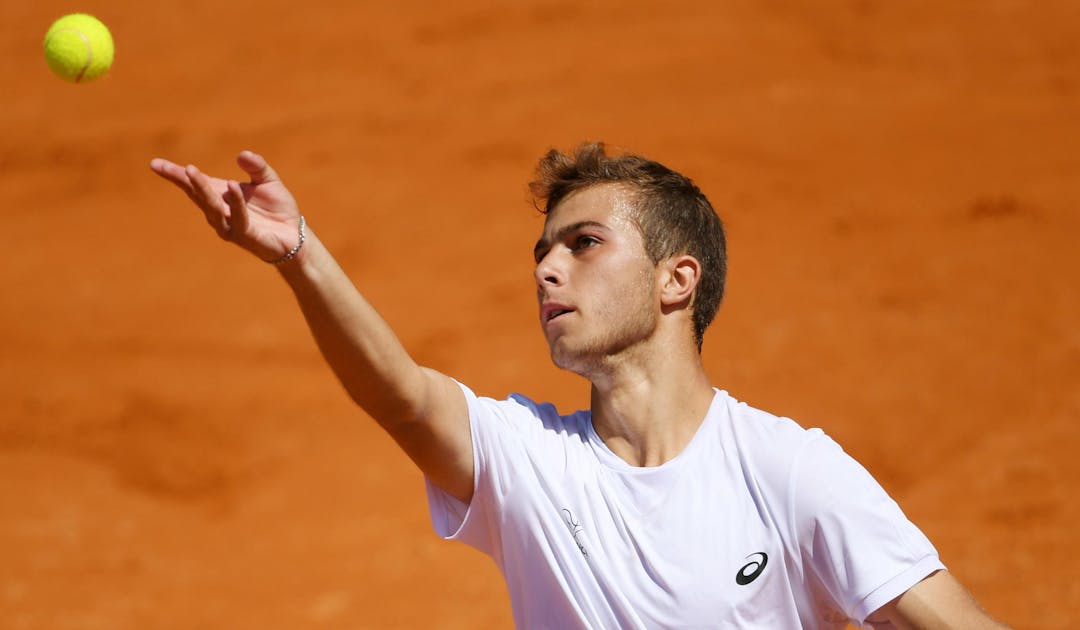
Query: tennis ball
x=78 y=48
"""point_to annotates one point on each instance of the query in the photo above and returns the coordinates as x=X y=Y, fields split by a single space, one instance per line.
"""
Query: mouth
x=551 y=311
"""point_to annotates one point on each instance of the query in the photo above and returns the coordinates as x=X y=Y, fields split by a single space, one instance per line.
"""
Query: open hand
x=260 y=216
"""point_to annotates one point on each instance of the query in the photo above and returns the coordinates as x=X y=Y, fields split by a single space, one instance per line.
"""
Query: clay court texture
x=901 y=186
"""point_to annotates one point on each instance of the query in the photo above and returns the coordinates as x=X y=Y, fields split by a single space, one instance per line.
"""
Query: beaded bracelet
x=289 y=255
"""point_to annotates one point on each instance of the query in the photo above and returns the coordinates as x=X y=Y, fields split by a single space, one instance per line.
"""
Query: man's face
x=595 y=284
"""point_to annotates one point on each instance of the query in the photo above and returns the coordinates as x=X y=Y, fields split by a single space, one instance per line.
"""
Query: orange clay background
x=900 y=181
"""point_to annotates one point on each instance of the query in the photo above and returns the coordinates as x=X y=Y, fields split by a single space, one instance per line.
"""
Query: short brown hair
x=672 y=213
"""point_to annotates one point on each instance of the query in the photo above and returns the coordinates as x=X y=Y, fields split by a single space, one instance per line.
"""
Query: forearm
x=357 y=343
x=939 y=601
x=423 y=410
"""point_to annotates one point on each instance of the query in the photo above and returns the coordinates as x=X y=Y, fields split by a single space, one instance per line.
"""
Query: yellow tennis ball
x=78 y=48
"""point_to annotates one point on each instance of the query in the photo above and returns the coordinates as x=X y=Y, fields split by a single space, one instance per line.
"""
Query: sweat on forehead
x=617 y=199
x=604 y=207
x=606 y=202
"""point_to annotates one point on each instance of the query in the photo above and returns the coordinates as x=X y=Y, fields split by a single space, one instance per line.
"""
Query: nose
x=549 y=271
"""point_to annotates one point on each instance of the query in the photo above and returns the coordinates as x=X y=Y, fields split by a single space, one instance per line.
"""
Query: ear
x=679 y=279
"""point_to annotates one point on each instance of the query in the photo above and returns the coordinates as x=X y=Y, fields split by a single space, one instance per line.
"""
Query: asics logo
x=751 y=570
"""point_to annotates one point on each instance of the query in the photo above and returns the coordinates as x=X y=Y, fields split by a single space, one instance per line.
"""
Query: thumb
x=256 y=166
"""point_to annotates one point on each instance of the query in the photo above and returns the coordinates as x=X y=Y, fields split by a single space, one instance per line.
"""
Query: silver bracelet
x=289 y=255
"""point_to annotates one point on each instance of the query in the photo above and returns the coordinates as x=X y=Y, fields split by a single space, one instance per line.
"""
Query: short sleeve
x=451 y=518
x=511 y=438
x=859 y=544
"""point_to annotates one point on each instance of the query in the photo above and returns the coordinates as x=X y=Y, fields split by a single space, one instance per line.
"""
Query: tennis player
x=668 y=503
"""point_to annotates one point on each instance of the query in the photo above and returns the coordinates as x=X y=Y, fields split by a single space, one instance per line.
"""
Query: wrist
x=291 y=254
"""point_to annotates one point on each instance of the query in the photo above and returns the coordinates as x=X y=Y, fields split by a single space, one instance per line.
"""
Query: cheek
x=626 y=296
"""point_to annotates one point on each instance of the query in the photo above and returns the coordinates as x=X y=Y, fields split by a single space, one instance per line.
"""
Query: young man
x=669 y=503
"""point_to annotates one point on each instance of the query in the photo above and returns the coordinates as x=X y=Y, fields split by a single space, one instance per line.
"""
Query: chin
x=561 y=359
x=572 y=359
x=561 y=356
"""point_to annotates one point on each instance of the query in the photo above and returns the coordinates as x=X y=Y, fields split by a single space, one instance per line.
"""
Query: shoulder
x=755 y=421
x=820 y=481
x=518 y=413
x=803 y=467
x=781 y=446
x=768 y=441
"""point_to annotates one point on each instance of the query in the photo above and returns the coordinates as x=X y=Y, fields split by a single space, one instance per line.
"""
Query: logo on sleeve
x=751 y=570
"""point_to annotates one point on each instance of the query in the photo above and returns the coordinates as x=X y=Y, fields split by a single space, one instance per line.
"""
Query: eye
x=584 y=241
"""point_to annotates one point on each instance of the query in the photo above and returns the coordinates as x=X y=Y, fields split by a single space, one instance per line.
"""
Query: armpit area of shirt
x=450 y=515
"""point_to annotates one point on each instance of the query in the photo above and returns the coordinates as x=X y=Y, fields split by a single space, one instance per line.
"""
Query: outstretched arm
x=937 y=602
x=424 y=411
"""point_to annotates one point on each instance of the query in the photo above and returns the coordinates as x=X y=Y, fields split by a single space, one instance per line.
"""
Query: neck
x=647 y=411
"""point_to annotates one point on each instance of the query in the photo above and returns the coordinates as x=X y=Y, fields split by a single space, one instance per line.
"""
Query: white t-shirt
x=758 y=523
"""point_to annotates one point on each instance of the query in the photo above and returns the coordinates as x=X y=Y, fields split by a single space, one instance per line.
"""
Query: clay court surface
x=901 y=184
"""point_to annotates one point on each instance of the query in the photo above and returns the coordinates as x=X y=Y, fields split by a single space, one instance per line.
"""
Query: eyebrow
x=544 y=244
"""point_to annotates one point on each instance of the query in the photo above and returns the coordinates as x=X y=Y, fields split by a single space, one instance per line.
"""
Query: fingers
x=256 y=166
x=238 y=212
x=223 y=203
x=172 y=172
x=177 y=175
x=213 y=206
